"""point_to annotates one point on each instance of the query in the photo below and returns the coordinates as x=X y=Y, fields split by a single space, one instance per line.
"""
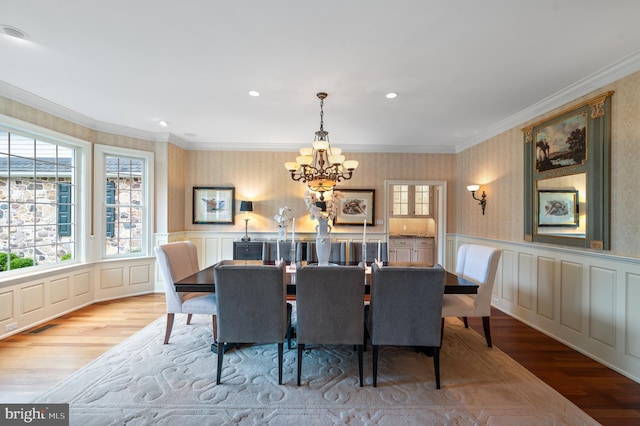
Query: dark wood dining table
x=203 y=281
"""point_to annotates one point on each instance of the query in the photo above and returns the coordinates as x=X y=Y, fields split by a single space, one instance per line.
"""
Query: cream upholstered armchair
x=252 y=307
x=476 y=263
x=177 y=261
x=406 y=310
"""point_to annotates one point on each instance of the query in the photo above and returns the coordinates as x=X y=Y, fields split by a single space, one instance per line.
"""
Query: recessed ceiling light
x=254 y=93
x=391 y=95
x=14 y=32
x=163 y=123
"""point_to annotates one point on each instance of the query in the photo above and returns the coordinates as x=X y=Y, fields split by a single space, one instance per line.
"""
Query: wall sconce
x=483 y=200
x=246 y=207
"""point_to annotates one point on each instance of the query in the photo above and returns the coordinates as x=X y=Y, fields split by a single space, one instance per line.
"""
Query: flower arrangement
x=283 y=216
x=330 y=208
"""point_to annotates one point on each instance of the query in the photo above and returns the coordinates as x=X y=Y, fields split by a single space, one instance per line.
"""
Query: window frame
x=100 y=193
x=411 y=201
x=81 y=194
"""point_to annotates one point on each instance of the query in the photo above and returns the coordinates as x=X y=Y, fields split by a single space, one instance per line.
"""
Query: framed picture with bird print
x=213 y=205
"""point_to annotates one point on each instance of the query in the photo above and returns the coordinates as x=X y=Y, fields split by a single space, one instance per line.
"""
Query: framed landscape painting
x=562 y=142
x=356 y=206
x=213 y=205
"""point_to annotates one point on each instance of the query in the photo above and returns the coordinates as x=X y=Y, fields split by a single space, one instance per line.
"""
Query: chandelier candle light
x=322 y=166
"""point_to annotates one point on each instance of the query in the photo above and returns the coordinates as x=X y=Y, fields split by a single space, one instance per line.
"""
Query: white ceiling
x=464 y=70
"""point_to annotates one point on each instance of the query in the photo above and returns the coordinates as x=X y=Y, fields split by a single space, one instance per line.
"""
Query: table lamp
x=246 y=207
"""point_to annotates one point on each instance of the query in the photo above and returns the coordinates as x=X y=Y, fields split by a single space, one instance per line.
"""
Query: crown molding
x=617 y=70
x=19 y=95
x=44 y=105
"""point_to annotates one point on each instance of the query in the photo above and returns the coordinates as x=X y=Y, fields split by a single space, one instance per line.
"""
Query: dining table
x=203 y=280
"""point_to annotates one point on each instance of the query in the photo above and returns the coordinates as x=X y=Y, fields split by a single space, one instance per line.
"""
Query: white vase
x=323 y=242
x=282 y=233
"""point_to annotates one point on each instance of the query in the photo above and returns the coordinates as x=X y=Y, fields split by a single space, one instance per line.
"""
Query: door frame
x=440 y=212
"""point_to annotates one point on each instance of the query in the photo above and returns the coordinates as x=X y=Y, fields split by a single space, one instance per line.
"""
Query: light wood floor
x=32 y=363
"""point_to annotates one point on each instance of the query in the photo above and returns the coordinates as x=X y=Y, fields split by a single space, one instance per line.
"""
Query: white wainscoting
x=27 y=302
x=585 y=299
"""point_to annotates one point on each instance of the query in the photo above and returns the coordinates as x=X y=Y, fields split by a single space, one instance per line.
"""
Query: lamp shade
x=246 y=206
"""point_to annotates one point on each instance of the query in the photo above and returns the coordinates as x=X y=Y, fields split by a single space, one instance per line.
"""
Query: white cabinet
x=400 y=249
x=411 y=250
x=423 y=250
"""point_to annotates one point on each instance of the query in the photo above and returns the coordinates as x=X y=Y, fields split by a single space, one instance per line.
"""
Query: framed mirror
x=567 y=176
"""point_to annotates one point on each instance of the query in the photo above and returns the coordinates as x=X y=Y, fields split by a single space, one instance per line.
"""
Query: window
x=411 y=200
x=400 y=200
x=125 y=191
x=37 y=201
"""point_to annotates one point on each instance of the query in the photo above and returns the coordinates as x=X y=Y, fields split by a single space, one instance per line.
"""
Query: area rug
x=143 y=382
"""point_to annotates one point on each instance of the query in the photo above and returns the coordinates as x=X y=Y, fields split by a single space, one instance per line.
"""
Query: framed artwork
x=213 y=205
x=562 y=143
x=356 y=205
x=557 y=207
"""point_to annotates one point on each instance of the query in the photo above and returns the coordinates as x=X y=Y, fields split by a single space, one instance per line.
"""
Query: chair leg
x=289 y=330
x=220 y=356
x=441 y=331
x=436 y=365
x=466 y=323
x=360 y=363
x=167 y=333
x=375 y=365
x=366 y=337
x=280 y=357
x=214 y=321
x=300 y=349
x=487 y=330
x=189 y=316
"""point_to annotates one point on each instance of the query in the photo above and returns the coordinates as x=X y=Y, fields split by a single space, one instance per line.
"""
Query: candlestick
x=364 y=231
x=364 y=253
x=293 y=231
x=277 y=251
x=379 y=248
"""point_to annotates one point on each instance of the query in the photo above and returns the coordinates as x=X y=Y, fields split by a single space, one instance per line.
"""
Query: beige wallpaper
x=262 y=178
x=177 y=189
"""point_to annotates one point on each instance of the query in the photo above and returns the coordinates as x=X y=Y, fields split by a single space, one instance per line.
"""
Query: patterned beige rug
x=141 y=381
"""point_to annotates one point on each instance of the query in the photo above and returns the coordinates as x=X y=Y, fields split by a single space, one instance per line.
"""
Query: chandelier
x=322 y=166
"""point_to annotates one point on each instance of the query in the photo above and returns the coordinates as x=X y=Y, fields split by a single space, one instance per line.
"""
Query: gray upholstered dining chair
x=337 y=255
x=270 y=251
x=330 y=308
x=405 y=310
x=177 y=261
x=252 y=307
x=355 y=252
x=479 y=264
